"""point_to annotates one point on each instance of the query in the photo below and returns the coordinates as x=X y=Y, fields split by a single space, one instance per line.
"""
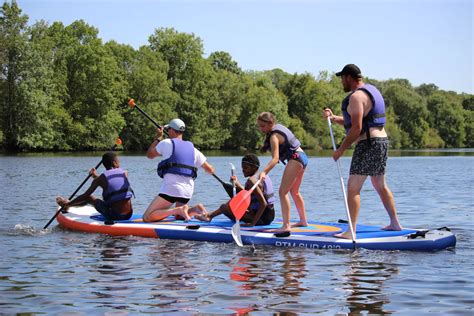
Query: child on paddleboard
x=117 y=192
x=260 y=211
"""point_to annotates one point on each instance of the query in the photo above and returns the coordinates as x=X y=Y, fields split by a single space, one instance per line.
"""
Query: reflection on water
x=364 y=283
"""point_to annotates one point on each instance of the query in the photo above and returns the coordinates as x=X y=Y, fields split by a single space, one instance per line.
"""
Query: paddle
x=132 y=104
x=227 y=186
x=236 y=227
x=118 y=142
x=342 y=182
x=239 y=204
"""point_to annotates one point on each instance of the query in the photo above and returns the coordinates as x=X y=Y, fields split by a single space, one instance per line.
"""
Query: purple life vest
x=268 y=193
x=289 y=147
x=181 y=161
x=118 y=187
x=376 y=116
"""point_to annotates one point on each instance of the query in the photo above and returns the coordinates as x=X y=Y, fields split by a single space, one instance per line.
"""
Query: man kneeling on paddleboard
x=261 y=210
x=117 y=192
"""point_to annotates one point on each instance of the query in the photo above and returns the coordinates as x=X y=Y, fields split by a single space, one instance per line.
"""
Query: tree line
x=63 y=89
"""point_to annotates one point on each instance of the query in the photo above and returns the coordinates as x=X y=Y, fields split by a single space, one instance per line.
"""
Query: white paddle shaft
x=341 y=179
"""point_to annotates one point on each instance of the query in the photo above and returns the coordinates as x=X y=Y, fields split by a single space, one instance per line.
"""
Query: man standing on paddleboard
x=363 y=117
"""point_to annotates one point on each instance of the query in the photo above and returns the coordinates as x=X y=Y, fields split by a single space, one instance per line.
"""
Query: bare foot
x=198 y=209
x=62 y=202
x=203 y=218
x=393 y=227
x=345 y=235
x=183 y=211
x=300 y=224
x=282 y=229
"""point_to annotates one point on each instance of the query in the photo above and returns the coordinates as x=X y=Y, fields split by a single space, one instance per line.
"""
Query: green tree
x=447 y=117
x=13 y=40
x=411 y=112
x=260 y=96
x=223 y=61
x=91 y=92
x=151 y=90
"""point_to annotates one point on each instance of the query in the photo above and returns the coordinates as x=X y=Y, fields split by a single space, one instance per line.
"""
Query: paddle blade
x=229 y=188
x=131 y=103
x=240 y=203
x=236 y=234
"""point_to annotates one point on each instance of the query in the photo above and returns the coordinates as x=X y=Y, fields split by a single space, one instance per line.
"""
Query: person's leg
x=298 y=199
x=159 y=209
x=104 y=209
x=223 y=209
x=388 y=201
x=354 y=186
x=288 y=179
x=248 y=216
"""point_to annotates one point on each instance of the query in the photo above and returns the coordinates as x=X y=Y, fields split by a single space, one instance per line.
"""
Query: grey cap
x=176 y=124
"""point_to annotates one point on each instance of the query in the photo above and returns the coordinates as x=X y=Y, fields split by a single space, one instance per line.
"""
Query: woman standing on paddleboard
x=285 y=147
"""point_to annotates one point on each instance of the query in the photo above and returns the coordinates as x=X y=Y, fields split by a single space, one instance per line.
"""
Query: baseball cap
x=350 y=69
x=176 y=124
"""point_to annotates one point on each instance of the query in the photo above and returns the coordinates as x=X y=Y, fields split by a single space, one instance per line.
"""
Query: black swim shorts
x=174 y=199
x=370 y=160
x=106 y=211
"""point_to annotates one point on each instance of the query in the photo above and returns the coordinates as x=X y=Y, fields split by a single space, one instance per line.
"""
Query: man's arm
x=334 y=118
x=152 y=152
x=356 y=111
x=208 y=167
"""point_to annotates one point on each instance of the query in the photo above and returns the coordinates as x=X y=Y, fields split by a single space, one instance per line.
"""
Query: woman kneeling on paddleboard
x=261 y=210
x=284 y=146
x=117 y=192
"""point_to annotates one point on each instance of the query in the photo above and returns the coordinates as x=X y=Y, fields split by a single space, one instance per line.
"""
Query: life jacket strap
x=179 y=165
x=109 y=195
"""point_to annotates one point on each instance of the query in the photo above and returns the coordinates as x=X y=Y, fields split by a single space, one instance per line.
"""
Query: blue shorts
x=301 y=157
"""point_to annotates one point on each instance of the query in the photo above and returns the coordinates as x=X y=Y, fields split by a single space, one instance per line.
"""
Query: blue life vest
x=376 y=116
x=118 y=187
x=268 y=193
x=181 y=161
x=290 y=145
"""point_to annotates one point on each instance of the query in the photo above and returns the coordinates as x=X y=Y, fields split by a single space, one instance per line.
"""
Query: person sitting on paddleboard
x=284 y=146
x=117 y=192
x=261 y=210
x=178 y=168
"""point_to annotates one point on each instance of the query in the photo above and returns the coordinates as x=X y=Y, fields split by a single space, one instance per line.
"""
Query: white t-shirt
x=174 y=184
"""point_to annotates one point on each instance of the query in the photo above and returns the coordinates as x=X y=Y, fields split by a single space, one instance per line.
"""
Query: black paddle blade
x=229 y=189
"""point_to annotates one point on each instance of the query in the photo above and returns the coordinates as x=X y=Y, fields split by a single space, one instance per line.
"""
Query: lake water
x=55 y=271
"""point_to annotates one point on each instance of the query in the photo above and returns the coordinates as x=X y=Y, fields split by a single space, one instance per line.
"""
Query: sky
x=424 y=41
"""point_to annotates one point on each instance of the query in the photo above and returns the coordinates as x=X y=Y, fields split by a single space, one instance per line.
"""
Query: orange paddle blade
x=240 y=203
x=131 y=103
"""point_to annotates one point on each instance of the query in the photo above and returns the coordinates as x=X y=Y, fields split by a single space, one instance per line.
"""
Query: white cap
x=176 y=124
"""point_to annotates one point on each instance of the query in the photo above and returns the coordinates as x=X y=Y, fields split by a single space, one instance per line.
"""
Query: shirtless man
x=363 y=118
